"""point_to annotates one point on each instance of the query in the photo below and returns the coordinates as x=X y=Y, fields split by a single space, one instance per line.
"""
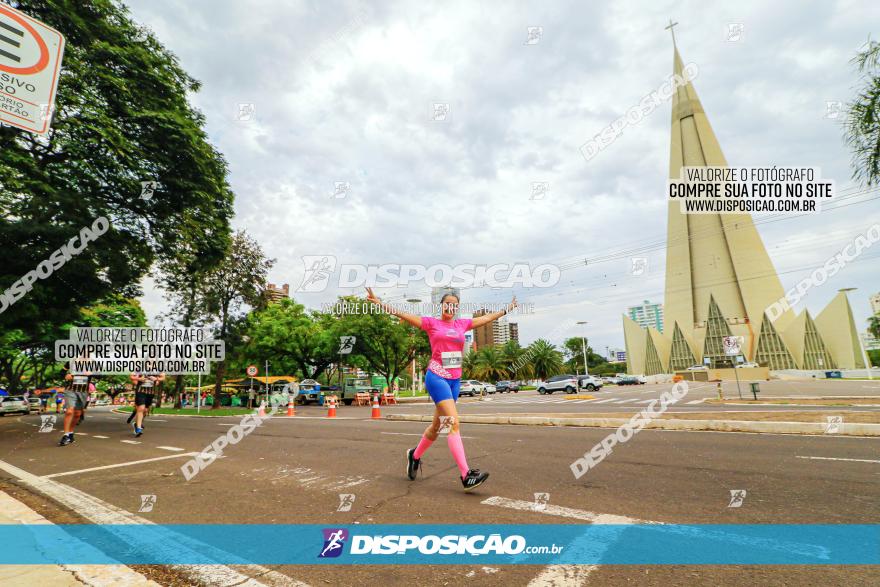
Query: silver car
x=14 y=404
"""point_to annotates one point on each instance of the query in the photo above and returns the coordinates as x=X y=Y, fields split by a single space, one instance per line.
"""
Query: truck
x=353 y=385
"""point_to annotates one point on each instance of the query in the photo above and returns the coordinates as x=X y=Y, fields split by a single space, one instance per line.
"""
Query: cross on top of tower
x=670 y=28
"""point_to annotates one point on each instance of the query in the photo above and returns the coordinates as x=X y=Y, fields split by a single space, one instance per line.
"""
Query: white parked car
x=470 y=387
x=488 y=388
x=696 y=368
x=589 y=382
x=566 y=383
x=746 y=365
x=14 y=404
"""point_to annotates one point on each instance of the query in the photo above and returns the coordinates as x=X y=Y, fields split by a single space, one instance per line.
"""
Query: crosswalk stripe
x=626 y=401
x=97 y=436
x=605 y=401
x=696 y=401
x=131 y=441
x=171 y=448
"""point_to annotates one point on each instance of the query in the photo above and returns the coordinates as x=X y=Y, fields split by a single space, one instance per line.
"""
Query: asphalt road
x=293 y=470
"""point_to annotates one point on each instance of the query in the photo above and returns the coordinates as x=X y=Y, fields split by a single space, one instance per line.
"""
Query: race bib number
x=451 y=359
x=80 y=380
x=147 y=383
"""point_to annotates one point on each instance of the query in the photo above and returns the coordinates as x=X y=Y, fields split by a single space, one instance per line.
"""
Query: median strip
x=668 y=423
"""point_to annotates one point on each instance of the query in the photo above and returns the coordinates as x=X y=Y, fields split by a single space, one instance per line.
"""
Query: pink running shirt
x=447 y=343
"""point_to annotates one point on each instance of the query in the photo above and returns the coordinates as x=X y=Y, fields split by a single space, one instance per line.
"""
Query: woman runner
x=443 y=378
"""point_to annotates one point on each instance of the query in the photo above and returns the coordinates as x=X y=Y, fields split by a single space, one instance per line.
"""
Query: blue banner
x=499 y=544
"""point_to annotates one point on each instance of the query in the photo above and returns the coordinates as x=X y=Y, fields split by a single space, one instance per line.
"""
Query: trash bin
x=833 y=375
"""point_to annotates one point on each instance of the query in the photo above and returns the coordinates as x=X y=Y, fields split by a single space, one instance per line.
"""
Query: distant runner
x=75 y=400
x=146 y=387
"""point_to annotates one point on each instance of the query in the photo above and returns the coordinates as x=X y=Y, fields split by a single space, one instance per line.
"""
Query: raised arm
x=487 y=318
x=405 y=316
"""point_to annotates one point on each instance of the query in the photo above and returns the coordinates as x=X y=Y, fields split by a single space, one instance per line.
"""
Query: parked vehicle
x=309 y=391
x=102 y=402
x=489 y=388
x=611 y=380
x=355 y=385
x=589 y=382
x=470 y=387
x=628 y=380
x=746 y=365
x=34 y=403
x=696 y=368
x=566 y=383
x=507 y=387
x=14 y=404
x=642 y=379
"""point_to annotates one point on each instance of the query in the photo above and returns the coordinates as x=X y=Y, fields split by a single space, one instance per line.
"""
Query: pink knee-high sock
x=424 y=443
x=457 y=450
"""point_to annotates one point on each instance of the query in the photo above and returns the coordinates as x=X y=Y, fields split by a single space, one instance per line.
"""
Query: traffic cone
x=331 y=407
x=262 y=412
x=291 y=409
x=377 y=414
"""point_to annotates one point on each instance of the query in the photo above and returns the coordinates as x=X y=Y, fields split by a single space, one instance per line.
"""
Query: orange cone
x=262 y=412
x=377 y=414
x=291 y=410
x=331 y=407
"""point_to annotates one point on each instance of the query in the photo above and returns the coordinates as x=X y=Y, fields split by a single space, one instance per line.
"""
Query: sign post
x=251 y=371
x=732 y=346
x=30 y=64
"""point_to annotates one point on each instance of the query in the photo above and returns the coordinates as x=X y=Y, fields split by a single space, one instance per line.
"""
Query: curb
x=846 y=429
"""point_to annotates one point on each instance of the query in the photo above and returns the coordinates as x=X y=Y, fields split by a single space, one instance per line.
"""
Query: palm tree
x=469 y=365
x=863 y=121
x=489 y=364
x=545 y=359
x=516 y=361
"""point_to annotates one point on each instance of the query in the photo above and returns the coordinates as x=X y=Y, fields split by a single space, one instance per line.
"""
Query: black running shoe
x=473 y=479
x=66 y=439
x=412 y=464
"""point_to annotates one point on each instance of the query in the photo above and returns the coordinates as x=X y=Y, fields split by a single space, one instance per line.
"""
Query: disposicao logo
x=334 y=541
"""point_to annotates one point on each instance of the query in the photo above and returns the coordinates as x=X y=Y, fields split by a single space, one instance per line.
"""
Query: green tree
x=383 y=342
x=293 y=340
x=489 y=364
x=862 y=130
x=516 y=361
x=239 y=279
x=121 y=117
x=874 y=325
x=545 y=359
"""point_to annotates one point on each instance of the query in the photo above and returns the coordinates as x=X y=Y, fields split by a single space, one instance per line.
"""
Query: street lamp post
x=584 y=349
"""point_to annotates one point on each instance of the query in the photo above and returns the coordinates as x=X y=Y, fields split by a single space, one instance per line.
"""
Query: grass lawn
x=205 y=411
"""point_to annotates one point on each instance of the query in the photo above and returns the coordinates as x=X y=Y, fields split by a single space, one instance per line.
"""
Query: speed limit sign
x=252 y=370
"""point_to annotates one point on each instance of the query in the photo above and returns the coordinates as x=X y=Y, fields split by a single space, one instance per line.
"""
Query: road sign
x=732 y=345
x=252 y=370
x=30 y=63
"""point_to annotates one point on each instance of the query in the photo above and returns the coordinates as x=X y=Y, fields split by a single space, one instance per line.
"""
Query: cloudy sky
x=345 y=92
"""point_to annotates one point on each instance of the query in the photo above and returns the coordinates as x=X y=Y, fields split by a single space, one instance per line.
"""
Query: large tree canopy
x=121 y=117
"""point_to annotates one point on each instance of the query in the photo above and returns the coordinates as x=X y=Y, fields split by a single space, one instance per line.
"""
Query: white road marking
x=116 y=466
x=696 y=401
x=605 y=401
x=101 y=512
x=171 y=448
x=626 y=401
x=93 y=575
x=555 y=510
x=99 y=436
x=839 y=459
x=131 y=441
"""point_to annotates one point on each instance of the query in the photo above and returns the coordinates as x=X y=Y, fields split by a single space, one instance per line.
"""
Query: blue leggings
x=441 y=389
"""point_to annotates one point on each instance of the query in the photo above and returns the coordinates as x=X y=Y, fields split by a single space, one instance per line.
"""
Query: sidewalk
x=13 y=511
